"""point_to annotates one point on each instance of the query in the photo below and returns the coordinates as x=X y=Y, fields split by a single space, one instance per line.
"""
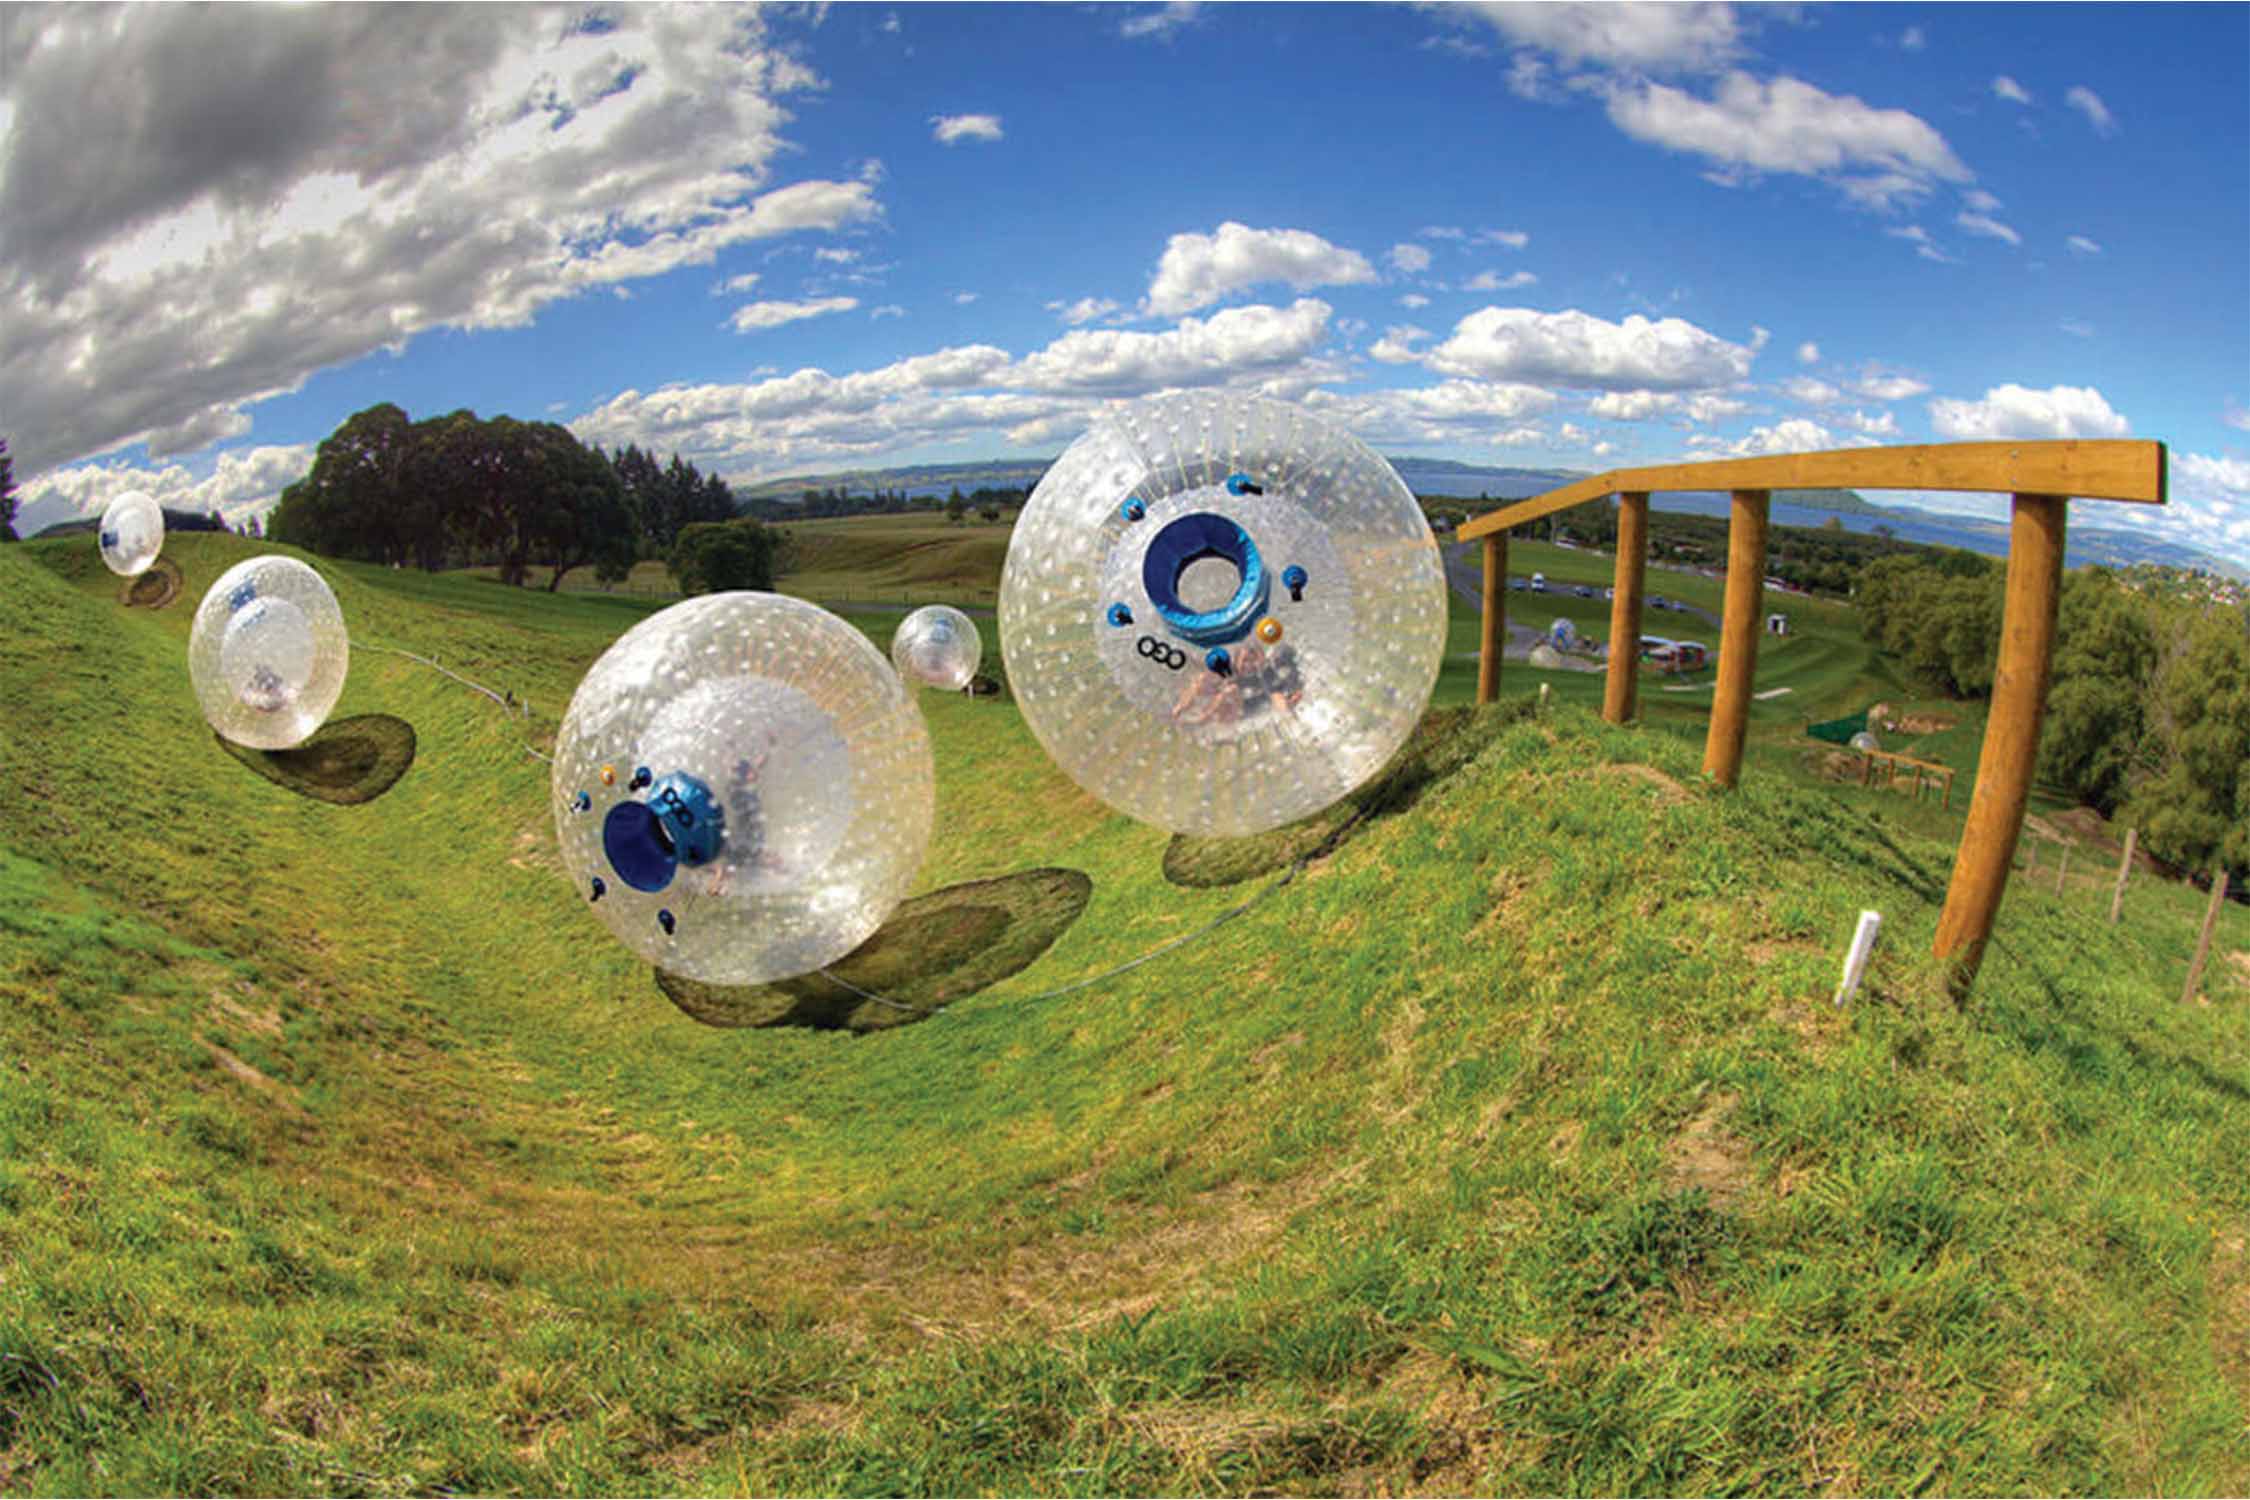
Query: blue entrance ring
x=639 y=849
x=1189 y=540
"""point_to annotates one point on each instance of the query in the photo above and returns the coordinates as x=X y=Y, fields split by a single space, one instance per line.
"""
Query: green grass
x=1513 y=1146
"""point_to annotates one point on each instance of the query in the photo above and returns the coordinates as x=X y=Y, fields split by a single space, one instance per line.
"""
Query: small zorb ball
x=1221 y=613
x=743 y=789
x=1865 y=741
x=937 y=646
x=131 y=533
x=268 y=652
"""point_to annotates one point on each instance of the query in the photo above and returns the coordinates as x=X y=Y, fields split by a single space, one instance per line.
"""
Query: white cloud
x=734 y=284
x=1396 y=346
x=1513 y=239
x=1635 y=34
x=963 y=299
x=243 y=483
x=1795 y=435
x=756 y=315
x=1990 y=228
x=1493 y=281
x=1633 y=406
x=1576 y=349
x=1451 y=410
x=2236 y=416
x=2013 y=411
x=160 y=274
x=1808 y=353
x=947 y=129
x=1443 y=232
x=1912 y=40
x=1411 y=259
x=836 y=256
x=2007 y=88
x=1881 y=385
x=1919 y=238
x=1810 y=391
x=2089 y=104
x=1084 y=310
x=1881 y=425
x=1790 y=126
x=887 y=310
x=1196 y=352
x=1980 y=200
x=1413 y=300
x=1162 y=23
x=2080 y=245
x=1198 y=269
x=1713 y=408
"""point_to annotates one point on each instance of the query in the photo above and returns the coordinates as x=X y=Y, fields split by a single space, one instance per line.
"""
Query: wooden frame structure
x=2042 y=477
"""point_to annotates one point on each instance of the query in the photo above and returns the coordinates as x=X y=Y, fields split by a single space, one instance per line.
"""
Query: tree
x=581 y=516
x=955 y=506
x=989 y=511
x=7 y=494
x=2094 y=741
x=713 y=557
x=369 y=494
x=2195 y=809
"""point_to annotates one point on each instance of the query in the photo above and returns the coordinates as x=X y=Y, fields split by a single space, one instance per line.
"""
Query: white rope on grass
x=507 y=701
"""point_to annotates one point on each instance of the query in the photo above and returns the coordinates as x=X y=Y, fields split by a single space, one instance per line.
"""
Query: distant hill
x=174 y=520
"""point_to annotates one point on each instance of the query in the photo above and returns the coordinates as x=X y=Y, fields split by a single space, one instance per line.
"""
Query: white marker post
x=1855 y=962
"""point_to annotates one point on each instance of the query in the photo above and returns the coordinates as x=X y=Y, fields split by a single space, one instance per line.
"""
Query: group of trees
x=836 y=500
x=2148 y=711
x=459 y=488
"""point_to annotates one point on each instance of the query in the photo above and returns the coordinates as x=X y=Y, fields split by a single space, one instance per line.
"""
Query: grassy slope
x=1513 y=1148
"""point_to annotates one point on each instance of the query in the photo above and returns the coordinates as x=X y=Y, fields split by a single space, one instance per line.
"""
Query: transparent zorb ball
x=743 y=789
x=131 y=533
x=937 y=646
x=1866 y=741
x=268 y=653
x=1221 y=613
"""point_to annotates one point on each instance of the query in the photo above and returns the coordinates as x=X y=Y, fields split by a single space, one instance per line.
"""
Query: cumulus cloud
x=1413 y=300
x=2089 y=104
x=1576 y=349
x=836 y=255
x=2007 y=88
x=948 y=129
x=1452 y=410
x=1796 y=435
x=1196 y=352
x=1881 y=425
x=1396 y=346
x=1990 y=228
x=753 y=316
x=1635 y=34
x=1883 y=385
x=297 y=187
x=1808 y=353
x=1786 y=125
x=2080 y=245
x=1162 y=23
x=1199 y=269
x=734 y=284
x=2013 y=411
x=1412 y=259
x=887 y=310
x=1493 y=281
x=1512 y=239
x=243 y=483
x=1810 y=391
x=1443 y=232
x=1084 y=310
x=1633 y=406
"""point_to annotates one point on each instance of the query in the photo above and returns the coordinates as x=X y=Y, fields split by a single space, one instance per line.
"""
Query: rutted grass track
x=1512 y=1147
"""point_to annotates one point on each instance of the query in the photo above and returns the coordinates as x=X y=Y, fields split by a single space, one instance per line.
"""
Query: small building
x=1777 y=624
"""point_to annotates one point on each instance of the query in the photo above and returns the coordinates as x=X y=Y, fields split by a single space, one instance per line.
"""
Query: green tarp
x=1839 y=731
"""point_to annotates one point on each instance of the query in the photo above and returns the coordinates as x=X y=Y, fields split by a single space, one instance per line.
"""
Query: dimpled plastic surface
x=1865 y=741
x=268 y=653
x=1131 y=712
x=813 y=749
x=937 y=646
x=131 y=533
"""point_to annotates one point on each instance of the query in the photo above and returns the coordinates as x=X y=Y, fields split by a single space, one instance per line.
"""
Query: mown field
x=1512 y=1145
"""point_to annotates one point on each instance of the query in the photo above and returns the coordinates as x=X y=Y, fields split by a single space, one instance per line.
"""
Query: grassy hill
x=1512 y=1146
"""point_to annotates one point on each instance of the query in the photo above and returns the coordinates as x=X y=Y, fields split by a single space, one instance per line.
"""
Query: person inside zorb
x=1221 y=613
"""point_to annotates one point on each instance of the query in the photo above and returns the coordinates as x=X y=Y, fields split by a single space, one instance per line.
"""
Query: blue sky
x=801 y=239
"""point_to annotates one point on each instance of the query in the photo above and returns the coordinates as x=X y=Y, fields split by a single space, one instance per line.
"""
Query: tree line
x=2148 y=711
x=458 y=489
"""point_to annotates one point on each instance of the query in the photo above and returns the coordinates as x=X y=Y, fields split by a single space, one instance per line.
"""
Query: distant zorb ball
x=1221 y=613
x=131 y=533
x=937 y=646
x=1563 y=634
x=1865 y=741
x=268 y=652
x=743 y=788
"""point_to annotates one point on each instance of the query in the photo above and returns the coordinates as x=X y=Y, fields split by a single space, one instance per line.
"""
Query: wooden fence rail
x=2042 y=477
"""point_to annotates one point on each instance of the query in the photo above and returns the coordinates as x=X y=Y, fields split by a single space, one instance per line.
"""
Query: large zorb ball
x=268 y=653
x=131 y=533
x=1221 y=613
x=937 y=646
x=743 y=788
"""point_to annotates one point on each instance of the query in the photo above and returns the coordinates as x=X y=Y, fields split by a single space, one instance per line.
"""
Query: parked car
x=1539 y=583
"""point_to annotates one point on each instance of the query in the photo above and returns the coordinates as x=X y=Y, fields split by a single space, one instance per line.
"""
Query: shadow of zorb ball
x=937 y=646
x=268 y=652
x=743 y=788
x=131 y=534
x=1221 y=613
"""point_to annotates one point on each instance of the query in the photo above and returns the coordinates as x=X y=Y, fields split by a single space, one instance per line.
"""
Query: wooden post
x=2011 y=737
x=1621 y=694
x=2203 y=943
x=1495 y=616
x=2061 y=870
x=1738 y=640
x=2124 y=870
